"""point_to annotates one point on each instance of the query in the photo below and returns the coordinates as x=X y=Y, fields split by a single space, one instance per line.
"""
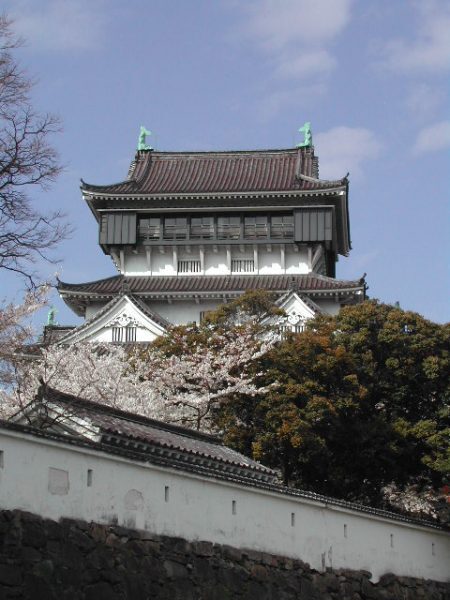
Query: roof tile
x=158 y=173
x=218 y=283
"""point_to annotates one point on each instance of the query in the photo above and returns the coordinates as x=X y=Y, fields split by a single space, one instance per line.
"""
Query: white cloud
x=294 y=36
x=423 y=99
x=343 y=149
x=308 y=63
x=278 y=24
x=60 y=25
x=433 y=138
x=300 y=96
x=430 y=51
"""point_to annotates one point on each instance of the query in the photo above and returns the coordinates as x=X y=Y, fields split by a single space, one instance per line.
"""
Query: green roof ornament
x=142 y=145
x=307 y=133
x=51 y=321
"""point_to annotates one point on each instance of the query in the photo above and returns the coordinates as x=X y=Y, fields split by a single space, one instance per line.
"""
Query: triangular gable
x=296 y=304
x=121 y=312
x=298 y=309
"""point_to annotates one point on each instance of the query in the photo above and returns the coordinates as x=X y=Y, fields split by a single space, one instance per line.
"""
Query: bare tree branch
x=27 y=161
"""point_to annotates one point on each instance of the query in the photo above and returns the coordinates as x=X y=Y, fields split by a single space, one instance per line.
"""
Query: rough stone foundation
x=41 y=559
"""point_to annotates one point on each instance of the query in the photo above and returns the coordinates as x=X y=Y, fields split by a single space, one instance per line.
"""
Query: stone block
x=203 y=548
x=10 y=574
x=101 y=591
x=174 y=570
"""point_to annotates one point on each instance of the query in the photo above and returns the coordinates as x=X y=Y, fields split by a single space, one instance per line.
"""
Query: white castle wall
x=57 y=480
x=181 y=312
x=269 y=260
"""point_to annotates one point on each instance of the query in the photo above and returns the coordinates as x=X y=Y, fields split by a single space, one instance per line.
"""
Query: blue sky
x=371 y=76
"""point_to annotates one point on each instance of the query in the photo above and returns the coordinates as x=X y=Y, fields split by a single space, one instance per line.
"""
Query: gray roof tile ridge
x=167 y=153
x=336 y=182
x=55 y=395
x=65 y=283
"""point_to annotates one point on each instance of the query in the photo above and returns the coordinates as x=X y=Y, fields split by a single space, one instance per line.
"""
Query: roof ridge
x=94 y=281
x=126 y=415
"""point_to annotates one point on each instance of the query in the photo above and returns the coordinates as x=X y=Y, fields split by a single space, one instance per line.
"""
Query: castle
x=188 y=231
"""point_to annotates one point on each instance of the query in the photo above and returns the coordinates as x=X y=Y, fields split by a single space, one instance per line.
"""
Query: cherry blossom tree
x=99 y=372
x=16 y=330
x=188 y=385
x=179 y=388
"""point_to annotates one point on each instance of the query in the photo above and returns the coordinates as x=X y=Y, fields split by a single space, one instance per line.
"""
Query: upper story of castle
x=262 y=212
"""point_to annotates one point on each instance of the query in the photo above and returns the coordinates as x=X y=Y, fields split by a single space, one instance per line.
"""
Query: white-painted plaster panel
x=216 y=262
x=136 y=264
x=202 y=509
x=181 y=312
x=162 y=264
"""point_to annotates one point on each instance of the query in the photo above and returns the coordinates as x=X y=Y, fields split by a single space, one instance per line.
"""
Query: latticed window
x=189 y=266
x=281 y=226
x=242 y=265
x=256 y=227
x=202 y=228
x=149 y=229
x=175 y=228
x=228 y=228
x=124 y=334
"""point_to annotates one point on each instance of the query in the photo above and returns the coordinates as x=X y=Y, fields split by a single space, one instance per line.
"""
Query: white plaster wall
x=136 y=264
x=198 y=508
x=162 y=264
x=297 y=262
x=216 y=262
x=181 y=312
x=269 y=262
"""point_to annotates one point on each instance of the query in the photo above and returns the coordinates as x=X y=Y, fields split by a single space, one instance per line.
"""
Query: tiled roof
x=144 y=286
x=148 y=437
x=158 y=173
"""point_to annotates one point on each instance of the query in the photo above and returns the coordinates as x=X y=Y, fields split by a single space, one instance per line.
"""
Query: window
x=233 y=507
x=166 y=493
x=124 y=334
x=242 y=265
x=281 y=226
x=255 y=227
x=228 y=228
x=175 y=228
x=202 y=228
x=189 y=266
x=149 y=229
x=89 y=477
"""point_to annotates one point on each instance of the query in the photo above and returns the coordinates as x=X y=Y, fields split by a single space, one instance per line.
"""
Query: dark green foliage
x=361 y=401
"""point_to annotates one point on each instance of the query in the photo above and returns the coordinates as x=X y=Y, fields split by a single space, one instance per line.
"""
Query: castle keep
x=188 y=231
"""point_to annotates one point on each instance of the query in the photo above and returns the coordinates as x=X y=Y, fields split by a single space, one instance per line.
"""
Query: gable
x=123 y=319
x=298 y=310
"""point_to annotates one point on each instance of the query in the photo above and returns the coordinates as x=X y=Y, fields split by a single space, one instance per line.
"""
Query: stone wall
x=41 y=559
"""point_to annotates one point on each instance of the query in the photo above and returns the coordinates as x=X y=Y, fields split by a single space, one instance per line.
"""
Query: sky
x=370 y=75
